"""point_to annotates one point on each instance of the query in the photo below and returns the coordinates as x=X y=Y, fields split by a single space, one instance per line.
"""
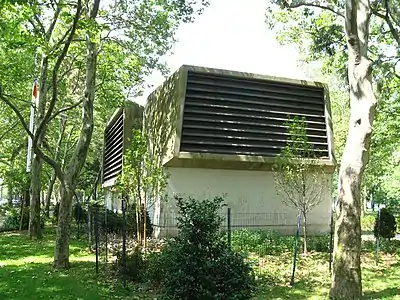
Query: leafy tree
x=112 y=69
x=370 y=31
x=142 y=178
x=297 y=173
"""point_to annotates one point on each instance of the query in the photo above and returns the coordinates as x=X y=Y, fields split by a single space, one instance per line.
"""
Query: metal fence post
x=106 y=229
x=377 y=237
x=124 y=242
x=229 y=228
x=78 y=216
x=96 y=233
x=296 y=246
x=331 y=241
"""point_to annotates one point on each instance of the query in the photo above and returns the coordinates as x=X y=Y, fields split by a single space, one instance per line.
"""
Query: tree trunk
x=36 y=168
x=35 y=231
x=305 y=233
x=346 y=274
x=10 y=193
x=61 y=250
x=49 y=193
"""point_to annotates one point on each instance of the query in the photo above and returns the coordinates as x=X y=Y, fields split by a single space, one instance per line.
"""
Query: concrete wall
x=250 y=194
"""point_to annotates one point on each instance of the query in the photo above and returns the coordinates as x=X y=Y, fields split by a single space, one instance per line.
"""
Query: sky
x=232 y=35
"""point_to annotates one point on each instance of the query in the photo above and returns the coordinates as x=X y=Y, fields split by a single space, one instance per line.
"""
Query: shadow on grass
x=384 y=294
x=41 y=281
x=16 y=245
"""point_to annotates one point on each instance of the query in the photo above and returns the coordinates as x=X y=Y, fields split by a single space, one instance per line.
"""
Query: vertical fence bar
x=96 y=233
x=78 y=216
x=229 y=228
x=124 y=242
x=331 y=241
x=296 y=247
x=377 y=237
x=89 y=225
x=106 y=228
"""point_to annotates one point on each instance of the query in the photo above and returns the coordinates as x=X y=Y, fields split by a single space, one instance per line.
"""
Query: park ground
x=26 y=273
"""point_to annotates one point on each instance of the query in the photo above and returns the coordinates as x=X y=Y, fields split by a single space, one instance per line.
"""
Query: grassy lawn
x=26 y=273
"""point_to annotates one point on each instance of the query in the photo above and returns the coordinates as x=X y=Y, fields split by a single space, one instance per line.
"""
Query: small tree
x=297 y=174
x=142 y=178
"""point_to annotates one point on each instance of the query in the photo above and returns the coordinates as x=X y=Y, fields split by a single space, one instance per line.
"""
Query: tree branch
x=64 y=109
x=42 y=30
x=56 y=68
x=316 y=3
x=53 y=24
x=4 y=134
x=386 y=17
x=37 y=149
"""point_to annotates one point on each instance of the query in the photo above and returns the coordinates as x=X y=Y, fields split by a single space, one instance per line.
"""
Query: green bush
x=12 y=219
x=319 y=243
x=135 y=264
x=198 y=264
x=264 y=242
x=385 y=246
x=80 y=215
x=367 y=223
x=386 y=226
x=261 y=242
x=114 y=220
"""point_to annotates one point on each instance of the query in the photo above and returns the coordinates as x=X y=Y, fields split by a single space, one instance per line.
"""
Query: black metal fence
x=111 y=237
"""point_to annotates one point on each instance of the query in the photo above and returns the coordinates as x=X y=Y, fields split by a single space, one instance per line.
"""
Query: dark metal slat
x=251 y=80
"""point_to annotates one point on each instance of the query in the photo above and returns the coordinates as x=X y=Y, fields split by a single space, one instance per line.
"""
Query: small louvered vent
x=114 y=146
x=245 y=116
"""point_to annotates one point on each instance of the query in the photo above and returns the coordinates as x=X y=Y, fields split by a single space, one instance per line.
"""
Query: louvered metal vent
x=245 y=116
x=114 y=147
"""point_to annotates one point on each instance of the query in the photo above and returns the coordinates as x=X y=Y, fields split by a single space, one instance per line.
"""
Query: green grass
x=26 y=274
x=312 y=278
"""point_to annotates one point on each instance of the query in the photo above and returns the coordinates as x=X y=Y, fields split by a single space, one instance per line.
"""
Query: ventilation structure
x=117 y=137
x=227 y=114
x=113 y=147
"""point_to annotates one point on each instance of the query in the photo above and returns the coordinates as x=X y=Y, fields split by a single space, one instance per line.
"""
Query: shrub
x=12 y=219
x=198 y=264
x=261 y=242
x=319 y=243
x=80 y=215
x=135 y=264
x=114 y=220
x=367 y=223
x=386 y=227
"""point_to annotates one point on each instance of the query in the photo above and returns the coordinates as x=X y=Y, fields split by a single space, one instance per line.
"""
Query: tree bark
x=346 y=273
x=35 y=231
x=49 y=193
x=305 y=233
x=61 y=250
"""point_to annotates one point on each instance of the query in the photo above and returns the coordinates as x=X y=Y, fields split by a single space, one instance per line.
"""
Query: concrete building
x=217 y=132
